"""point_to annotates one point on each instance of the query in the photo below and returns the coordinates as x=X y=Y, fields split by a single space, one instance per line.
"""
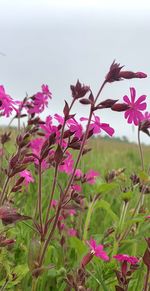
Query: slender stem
x=34 y=284
x=146 y=280
x=2 y=198
x=50 y=236
x=40 y=195
x=52 y=194
x=140 y=150
x=99 y=92
x=71 y=178
x=4 y=286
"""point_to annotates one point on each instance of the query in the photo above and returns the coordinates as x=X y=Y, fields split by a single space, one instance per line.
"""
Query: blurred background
x=56 y=42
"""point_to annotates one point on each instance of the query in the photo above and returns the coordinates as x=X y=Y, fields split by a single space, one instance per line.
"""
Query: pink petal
x=126 y=99
x=133 y=94
x=140 y=99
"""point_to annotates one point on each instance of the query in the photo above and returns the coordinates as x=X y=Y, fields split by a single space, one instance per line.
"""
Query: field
x=96 y=218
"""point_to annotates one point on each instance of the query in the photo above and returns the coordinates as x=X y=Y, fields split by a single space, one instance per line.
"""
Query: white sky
x=58 y=41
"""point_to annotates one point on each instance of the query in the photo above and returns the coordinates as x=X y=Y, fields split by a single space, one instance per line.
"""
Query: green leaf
x=105 y=187
x=78 y=245
x=106 y=206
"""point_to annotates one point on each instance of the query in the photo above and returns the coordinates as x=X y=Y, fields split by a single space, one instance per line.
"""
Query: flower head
x=72 y=232
x=126 y=258
x=97 y=126
x=6 y=103
x=67 y=165
x=75 y=127
x=40 y=100
x=28 y=177
x=90 y=176
x=98 y=250
x=134 y=114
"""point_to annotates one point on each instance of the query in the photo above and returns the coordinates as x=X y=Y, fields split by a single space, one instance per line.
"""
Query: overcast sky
x=57 y=42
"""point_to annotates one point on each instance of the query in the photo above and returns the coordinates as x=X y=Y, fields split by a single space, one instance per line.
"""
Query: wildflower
x=72 y=232
x=28 y=177
x=72 y=212
x=67 y=165
x=90 y=176
x=134 y=114
x=98 y=250
x=76 y=188
x=78 y=173
x=40 y=100
x=54 y=203
x=6 y=103
x=126 y=258
x=59 y=118
x=96 y=125
x=75 y=127
x=48 y=127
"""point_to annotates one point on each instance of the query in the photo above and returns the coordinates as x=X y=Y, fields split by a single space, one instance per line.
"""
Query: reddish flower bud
x=108 y=103
x=86 y=259
x=140 y=75
x=4 y=242
x=113 y=74
x=10 y=215
x=119 y=107
x=79 y=90
x=131 y=75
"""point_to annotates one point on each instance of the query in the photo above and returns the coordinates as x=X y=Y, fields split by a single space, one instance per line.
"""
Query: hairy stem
x=3 y=194
x=51 y=196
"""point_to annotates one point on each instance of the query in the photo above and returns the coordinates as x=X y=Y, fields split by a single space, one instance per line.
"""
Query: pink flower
x=75 y=127
x=90 y=176
x=72 y=232
x=67 y=165
x=98 y=250
x=54 y=203
x=78 y=173
x=48 y=127
x=134 y=114
x=126 y=258
x=72 y=212
x=96 y=125
x=28 y=177
x=40 y=100
x=146 y=116
x=36 y=145
x=76 y=188
x=6 y=103
x=59 y=118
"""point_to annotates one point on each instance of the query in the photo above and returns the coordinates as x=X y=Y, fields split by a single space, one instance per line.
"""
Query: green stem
x=34 y=284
